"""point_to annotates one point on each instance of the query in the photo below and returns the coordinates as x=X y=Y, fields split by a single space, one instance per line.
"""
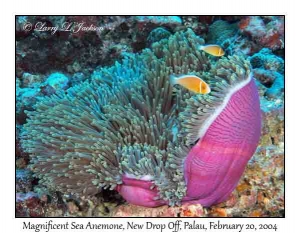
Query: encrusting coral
x=129 y=129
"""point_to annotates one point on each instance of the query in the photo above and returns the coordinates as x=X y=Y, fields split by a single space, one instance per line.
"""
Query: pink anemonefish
x=192 y=83
x=214 y=50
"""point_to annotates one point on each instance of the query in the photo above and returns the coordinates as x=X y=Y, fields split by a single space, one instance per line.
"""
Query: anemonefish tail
x=173 y=80
x=200 y=47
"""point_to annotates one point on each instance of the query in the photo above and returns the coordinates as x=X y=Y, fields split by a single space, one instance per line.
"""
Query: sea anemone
x=129 y=129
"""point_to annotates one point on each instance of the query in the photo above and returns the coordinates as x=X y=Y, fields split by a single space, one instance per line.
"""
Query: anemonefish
x=213 y=49
x=192 y=83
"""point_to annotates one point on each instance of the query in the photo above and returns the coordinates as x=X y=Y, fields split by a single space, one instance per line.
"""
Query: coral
x=220 y=31
x=22 y=158
x=163 y=211
x=201 y=24
x=26 y=98
x=264 y=31
x=57 y=81
x=196 y=23
x=83 y=51
x=24 y=196
x=53 y=204
x=271 y=79
x=267 y=60
x=218 y=212
x=140 y=28
x=32 y=87
x=28 y=205
x=159 y=20
x=31 y=80
x=158 y=34
x=128 y=129
x=269 y=70
x=228 y=35
x=23 y=180
x=273 y=127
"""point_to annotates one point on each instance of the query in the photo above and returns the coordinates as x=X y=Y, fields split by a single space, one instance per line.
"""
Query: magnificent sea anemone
x=129 y=129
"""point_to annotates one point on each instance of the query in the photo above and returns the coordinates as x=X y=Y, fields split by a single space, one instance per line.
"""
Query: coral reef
x=66 y=51
x=269 y=70
x=267 y=31
x=248 y=35
x=271 y=79
x=267 y=60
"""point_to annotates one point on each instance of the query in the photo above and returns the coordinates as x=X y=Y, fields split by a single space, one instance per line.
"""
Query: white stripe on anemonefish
x=200 y=87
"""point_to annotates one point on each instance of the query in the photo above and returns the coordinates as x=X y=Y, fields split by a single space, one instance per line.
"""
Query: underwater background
x=50 y=62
